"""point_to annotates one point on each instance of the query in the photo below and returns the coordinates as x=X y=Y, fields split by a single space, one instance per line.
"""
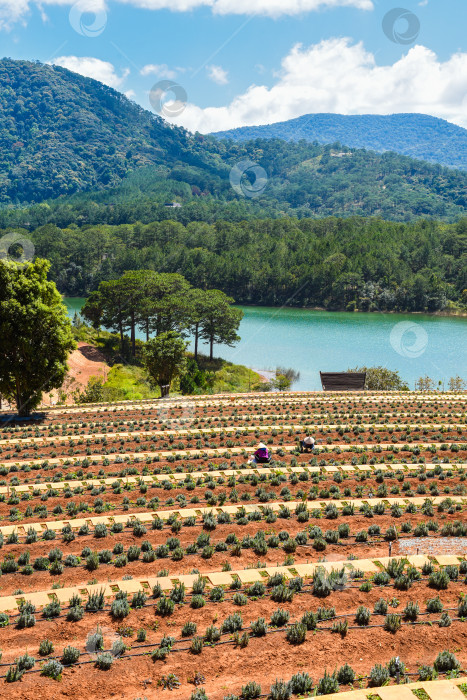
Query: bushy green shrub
x=328 y=684
x=379 y=675
x=46 y=647
x=232 y=623
x=165 y=606
x=279 y=618
x=393 y=622
x=196 y=646
x=345 y=675
x=362 y=616
x=259 y=627
x=301 y=683
x=434 y=605
x=189 y=629
x=52 y=669
x=251 y=690
x=296 y=633
x=446 y=661
x=280 y=690
x=104 y=661
x=439 y=580
x=70 y=655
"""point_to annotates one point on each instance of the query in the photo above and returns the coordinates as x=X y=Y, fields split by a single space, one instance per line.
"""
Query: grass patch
x=128 y=382
x=421 y=694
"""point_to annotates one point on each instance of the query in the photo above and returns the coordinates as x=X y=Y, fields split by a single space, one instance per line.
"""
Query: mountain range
x=415 y=135
x=73 y=142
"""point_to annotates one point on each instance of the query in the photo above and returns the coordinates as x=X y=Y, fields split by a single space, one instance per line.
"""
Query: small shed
x=343 y=381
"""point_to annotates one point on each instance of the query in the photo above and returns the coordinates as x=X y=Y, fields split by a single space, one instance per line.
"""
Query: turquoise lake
x=310 y=341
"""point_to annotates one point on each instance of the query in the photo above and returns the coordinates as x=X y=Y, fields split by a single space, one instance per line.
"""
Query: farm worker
x=261 y=455
x=307 y=443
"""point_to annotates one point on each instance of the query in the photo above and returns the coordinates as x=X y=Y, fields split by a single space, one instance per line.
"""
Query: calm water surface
x=310 y=341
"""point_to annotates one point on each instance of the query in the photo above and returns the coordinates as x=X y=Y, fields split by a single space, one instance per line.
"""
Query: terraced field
x=142 y=556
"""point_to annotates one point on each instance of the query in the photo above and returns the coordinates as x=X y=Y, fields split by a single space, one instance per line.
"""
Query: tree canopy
x=66 y=135
x=382 y=379
x=35 y=332
x=354 y=263
x=164 y=358
x=160 y=303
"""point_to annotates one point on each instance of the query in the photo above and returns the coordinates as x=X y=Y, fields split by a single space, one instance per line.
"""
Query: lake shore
x=314 y=340
x=457 y=313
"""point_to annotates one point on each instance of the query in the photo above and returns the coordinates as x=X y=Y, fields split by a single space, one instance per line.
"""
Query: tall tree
x=109 y=307
x=164 y=305
x=164 y=358
x=220 y=321
x=196 y=302
x=132 y=285
x=35 y=331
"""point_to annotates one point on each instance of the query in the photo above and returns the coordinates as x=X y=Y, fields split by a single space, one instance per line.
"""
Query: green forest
x=73 y=150
x=416 y=135
x=335 y=263
x=103 y=187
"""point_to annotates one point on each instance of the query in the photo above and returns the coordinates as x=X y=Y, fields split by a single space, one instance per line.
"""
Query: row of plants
x=260 y=544
x=299 y=684
x=276 y=468
x=323 y=423
x=302 y=684
x=237 y=462
x=155 y=436
x=258 y=493
x=210 y=520
x=221 y=440
x=398 y=574
x=314 y=535
x=78 y=459
x=163 y=415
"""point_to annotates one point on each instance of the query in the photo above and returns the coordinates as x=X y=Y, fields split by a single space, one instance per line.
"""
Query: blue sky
x=255 y=61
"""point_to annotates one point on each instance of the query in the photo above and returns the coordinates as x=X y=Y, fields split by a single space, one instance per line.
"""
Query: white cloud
x=217 y=74
x=93 y=68
x=12 y=11
x=272 y=8
x=340 y=77
x=130 y=94
x=159 y=70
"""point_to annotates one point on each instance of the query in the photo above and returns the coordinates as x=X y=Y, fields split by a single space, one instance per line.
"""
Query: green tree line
x=161 y=303
x=335 y=263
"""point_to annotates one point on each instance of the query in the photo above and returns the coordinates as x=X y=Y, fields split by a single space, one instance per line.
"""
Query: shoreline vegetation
x=124 y=376
x=445 y=312
x=333 y=263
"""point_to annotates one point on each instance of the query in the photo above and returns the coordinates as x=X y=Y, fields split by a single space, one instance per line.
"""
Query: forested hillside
x=415 y=135
x=348 y=263
x=62 y=134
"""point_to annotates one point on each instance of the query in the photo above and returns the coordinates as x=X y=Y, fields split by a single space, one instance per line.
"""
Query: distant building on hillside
x=173 y=205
